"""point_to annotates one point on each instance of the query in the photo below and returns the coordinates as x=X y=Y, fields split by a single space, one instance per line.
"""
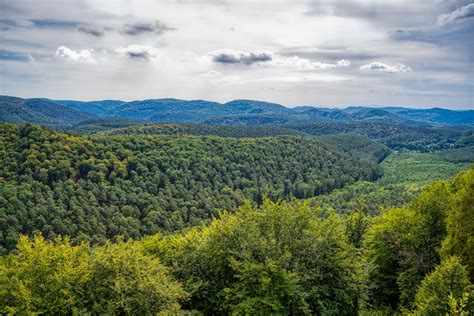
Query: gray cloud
x=90 y=30
x=227 y=57
x=137 y=52
x=140 y=28
x=386 y=13
x=464 y=12
x=381 y=67
x=6 y=24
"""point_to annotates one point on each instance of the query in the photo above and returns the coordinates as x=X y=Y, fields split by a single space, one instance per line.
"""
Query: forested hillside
x=39 y=111
x=395 y=136
x=277 y=258
x=122 y=217
x=93 y=188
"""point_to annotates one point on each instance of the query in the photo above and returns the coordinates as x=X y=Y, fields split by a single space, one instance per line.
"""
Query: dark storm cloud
x=240 y=58
x=140 y=28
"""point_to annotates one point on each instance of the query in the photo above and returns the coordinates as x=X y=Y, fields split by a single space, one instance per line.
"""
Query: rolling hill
x=39 y=111
x=237 y=112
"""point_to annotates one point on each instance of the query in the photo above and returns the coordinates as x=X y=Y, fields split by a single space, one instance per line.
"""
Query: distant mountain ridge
x=39 y=111
x=236 y=112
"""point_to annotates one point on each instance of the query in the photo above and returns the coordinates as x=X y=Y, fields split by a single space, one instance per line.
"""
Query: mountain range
x=67 y=113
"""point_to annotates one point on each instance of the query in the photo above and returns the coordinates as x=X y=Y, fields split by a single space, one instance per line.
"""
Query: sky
x=334 y=53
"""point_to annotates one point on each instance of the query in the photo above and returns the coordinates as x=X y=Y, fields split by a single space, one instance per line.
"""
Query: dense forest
x=121 y=217
x=276 y=258
x=97 y=187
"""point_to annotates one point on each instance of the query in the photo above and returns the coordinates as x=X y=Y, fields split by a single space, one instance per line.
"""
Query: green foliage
x=445 y=291
x=460 y=221
x=280 y=258
x=277 y=258
x=97 y=187
x=367 y=197
x=403 y=245
x=204 y=130
x=44 y=277
x=422 y=168
x=396 y=136
x=55 y=278
x=357 y=225
x=327 y=255
x=101 y=125
x=123 y=280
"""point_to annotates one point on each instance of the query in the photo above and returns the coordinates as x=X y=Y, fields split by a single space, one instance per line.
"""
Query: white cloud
x=268 y=59
x=381 y=67
x=344 y=63
x=137 y=52
x=84 y=55
x=460 y=13
x=306 y=64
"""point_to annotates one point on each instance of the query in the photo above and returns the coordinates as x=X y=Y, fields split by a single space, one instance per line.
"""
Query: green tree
x=123 y=280
x=460 y=222
x=277 y=258
x=56 y=278
x=44 y=277
x=445 y=291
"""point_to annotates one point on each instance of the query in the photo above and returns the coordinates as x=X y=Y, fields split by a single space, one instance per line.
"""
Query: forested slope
x=395 y=136
x=39 y=111
x=96 y=187
x=277 y=258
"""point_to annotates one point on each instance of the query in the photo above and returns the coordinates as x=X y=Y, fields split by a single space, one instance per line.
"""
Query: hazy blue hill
x=316 y=114
x=174 y=110
x=438 y=115
x=433 y=115
x=99 y=108
x=242 y=107
x=303 y=108
x=167 y=110
x=236 y=112
x=39 y=111
x=378 y=115
x=252 y=120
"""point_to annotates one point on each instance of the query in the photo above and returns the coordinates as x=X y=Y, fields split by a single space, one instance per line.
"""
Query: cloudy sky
x=415 y=53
